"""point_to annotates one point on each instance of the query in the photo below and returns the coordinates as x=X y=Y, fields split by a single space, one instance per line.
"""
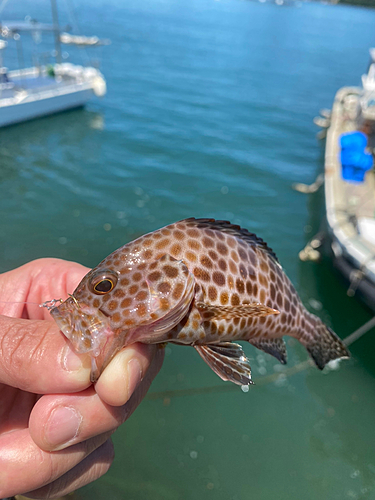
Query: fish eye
x=104 y=286
x=103 y=282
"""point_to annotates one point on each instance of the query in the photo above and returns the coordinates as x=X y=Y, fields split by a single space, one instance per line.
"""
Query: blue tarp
x=355 y=160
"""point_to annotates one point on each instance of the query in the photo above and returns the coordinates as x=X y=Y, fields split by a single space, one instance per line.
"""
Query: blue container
x=355 y=161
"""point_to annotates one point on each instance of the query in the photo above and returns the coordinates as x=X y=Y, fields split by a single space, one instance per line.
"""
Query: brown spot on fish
x=119 y=294
x=224 y=298
x=160 y=245
x=155 y=276
x=208 y=242
x=201 y=274
x=133 y=289
x=222 y=249
x=142 y=295
x=212 y=293
x=175 y=250
x=206 y=262
x=279 y=300
x=240 y=286
x=214 y=256
x=193 y=233
x=232 y=267
x=126 y=302
x=235 y=256
x=230 y=282
x=164 y=304
x=116 y=317
x=170 y=271
x=96 y=303
x=147 y=254
x=112 y=305
x=177 y=291
x=129 y=322
x=223 y=265
x=249 y=288
x=179 y=235
x=235 y=300
x=209 y=232
x=142 y=310
x=218 y=278
x=191 y=256
x=262 y=279
x=164 y=287
x=193 y=244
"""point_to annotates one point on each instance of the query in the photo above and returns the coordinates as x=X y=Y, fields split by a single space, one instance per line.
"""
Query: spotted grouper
x=198 y=282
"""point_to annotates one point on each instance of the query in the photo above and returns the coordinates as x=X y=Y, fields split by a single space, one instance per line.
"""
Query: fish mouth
x=86 y=328
x=63 y=315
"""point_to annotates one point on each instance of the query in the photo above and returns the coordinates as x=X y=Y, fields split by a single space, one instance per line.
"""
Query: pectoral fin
x=254 y=310
x=228 y=361
x=275 y=347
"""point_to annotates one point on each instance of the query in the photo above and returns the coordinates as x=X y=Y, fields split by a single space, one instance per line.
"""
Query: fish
x=204 y=283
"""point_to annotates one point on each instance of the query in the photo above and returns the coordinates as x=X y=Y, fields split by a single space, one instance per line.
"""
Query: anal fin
x=275 y=347
x=228 y=361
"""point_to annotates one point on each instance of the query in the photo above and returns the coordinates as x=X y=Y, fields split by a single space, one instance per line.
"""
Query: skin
x=40 y=375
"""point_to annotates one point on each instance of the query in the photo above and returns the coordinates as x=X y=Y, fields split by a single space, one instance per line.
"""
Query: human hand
x=55 y=426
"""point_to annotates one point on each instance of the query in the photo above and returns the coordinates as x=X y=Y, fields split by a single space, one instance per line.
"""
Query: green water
x=208 y=113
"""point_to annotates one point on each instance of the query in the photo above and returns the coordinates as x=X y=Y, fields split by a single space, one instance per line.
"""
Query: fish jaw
x=89 y=331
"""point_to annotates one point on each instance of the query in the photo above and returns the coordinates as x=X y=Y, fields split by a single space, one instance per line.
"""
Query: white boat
x=41 y=90
x=350 y=201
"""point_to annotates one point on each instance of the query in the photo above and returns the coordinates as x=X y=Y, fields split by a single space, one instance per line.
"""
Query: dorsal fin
x=235 y=230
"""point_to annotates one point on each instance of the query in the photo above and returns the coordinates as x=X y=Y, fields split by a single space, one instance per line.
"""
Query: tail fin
x=323 y=344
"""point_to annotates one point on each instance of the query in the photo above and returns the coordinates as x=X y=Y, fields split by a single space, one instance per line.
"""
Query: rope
x=361 y=331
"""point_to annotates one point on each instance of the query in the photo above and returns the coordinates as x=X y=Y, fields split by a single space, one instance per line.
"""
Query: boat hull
x=349 y=205
x=43 y=106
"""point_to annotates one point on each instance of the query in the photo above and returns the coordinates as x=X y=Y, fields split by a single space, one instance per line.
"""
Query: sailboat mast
x=55 y=18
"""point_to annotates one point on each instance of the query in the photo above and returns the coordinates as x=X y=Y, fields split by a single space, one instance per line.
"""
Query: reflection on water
x=208 y=113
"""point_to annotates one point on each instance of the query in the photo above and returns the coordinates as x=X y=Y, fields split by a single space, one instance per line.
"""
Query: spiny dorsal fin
x=235 y=230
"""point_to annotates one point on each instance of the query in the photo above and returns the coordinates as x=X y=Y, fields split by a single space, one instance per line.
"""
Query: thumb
x=36 y=357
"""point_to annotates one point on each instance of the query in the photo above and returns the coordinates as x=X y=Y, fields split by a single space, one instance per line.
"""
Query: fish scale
x=198 y=282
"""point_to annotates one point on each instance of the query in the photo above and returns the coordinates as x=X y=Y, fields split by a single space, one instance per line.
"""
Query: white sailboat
x=40 y=90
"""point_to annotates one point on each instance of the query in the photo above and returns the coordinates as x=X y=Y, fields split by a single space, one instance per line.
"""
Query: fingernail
x=135 y=375
x=63 y=427
x=71 y=362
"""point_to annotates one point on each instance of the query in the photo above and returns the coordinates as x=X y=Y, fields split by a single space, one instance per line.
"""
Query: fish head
x=114 y=307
